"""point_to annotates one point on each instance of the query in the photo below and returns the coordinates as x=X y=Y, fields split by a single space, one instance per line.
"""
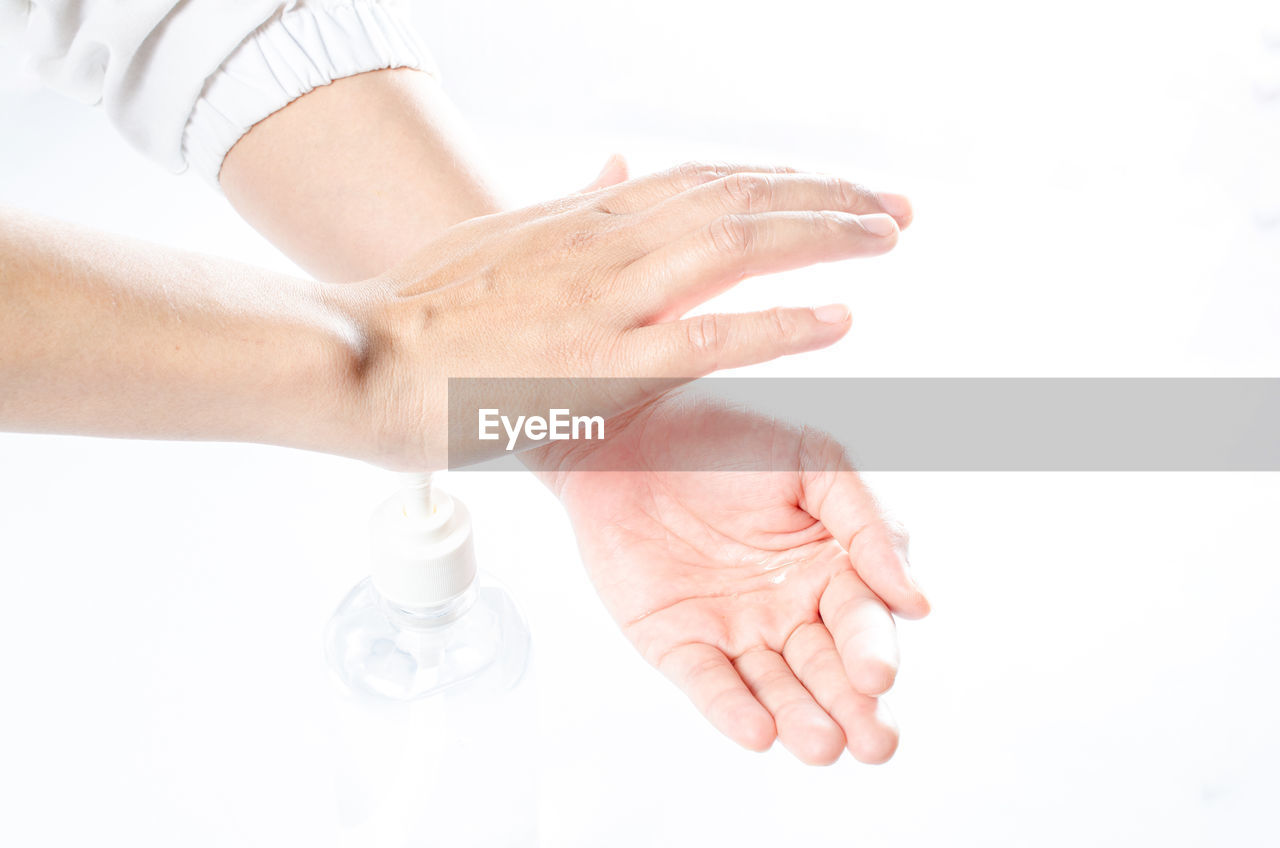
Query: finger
x=716 y=689
x=863 y=631
x=643 y=192
x=698 y=346
x=746 y=192
x=693 y=268
x=634 y=195
x=803 y=727
x=877 y=547
x=870 y=734
x=613 y=172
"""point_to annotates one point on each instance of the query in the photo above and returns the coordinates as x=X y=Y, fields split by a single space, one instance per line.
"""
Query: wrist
x=390 y=405
x=300 y=377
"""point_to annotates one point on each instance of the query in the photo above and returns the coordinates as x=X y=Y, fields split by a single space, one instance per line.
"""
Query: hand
x=764 y=595
x=593 y=285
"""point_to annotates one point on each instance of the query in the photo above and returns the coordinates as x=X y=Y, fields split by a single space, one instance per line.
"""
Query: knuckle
x=781 y=323
x=717 y=706
x=692 y=174
x=490 y=281
x=706 y=335
x=775 y=677
x=749 y=192
x=586 y=290
x=822 y=454
x=829 y=225
x=579 y=241
x=596 y=241
x=702 y=667
x=794 y=705
x=848 y=194
x=834 y=223
x=549 y=209
x=731 y=235
x=688 y=170
x=579 y=297
x=578 y=232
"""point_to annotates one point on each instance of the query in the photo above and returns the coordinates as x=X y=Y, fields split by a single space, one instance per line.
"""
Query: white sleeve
x=182 y=80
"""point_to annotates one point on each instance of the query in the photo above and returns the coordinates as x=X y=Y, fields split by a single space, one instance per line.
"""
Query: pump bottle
x=435 y=701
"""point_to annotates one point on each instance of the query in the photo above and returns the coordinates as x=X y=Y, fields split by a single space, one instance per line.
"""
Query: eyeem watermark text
x=559 y=425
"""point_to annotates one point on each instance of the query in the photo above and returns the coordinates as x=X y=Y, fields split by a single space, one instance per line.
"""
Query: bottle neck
x=432 y=616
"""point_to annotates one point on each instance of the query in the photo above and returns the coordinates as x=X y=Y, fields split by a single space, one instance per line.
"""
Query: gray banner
x=928 y=424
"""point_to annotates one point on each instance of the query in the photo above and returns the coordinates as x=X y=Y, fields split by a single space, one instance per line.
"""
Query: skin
x=399 y=169
x=750 y=589
x=595 y=285
x=103 y=335
x=664 y=549
x=140 y=340
x=108 y=336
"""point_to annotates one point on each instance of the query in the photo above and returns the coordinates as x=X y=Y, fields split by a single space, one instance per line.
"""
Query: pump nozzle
x=422 y=548
x=418 y=493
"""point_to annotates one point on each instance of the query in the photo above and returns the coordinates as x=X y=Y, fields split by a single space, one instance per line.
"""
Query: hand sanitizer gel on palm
x=438 y=709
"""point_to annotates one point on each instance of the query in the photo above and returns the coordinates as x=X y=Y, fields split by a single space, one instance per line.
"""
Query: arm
x=396 y=170
x=749 y=679
x=120 y=339
x=103 y=336
x=353 y=177
x=356 y=184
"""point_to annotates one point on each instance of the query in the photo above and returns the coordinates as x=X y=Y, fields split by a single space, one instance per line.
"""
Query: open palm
x=761 y=584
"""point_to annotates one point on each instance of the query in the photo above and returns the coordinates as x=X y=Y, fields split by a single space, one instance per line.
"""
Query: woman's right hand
x=594 y=285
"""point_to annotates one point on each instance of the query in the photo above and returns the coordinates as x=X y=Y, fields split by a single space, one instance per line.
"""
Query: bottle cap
x=422 y=547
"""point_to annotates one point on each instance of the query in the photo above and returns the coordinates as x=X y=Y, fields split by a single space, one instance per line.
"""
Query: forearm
x=100 y=335
x=397 y=169
x=356 y=176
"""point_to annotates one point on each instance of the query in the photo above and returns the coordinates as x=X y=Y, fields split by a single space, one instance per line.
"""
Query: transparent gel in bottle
x=437 y=709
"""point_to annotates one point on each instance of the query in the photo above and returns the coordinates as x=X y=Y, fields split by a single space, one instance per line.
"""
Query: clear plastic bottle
x=437 y=713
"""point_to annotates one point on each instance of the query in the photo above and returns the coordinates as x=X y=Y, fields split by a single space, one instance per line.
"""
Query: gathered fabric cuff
x=294 y=52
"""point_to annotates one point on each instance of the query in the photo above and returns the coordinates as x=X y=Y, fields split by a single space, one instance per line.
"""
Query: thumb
x=613 y=172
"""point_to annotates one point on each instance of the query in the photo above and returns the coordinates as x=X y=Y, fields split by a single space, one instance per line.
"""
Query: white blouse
x=183 y=80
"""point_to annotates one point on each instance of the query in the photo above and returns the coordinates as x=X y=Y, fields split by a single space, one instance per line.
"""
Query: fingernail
x=835 y=313
x=878 y=224
x=895 y=204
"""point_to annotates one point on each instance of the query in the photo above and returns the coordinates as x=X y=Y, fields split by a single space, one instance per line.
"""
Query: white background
x=1097 y=193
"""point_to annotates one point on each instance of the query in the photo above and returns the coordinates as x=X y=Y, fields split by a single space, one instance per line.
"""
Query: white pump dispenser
x=425 y=619
x=438 y=707
x=422 y=548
